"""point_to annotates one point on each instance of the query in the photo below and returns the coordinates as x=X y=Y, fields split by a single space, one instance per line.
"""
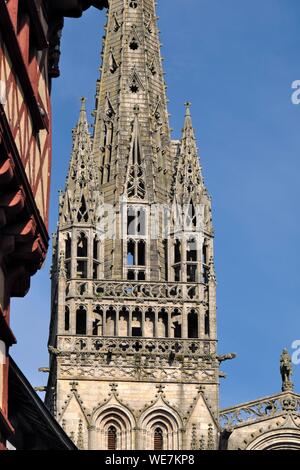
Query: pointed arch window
x=97 y=329
x=81 y=321
x=207 y=323
x=177 y=260
x=82 y=246
x=96 y=257
x=193 y=324
x=68 y=247
x=177 y=251
x=205 y=267
x=134 y=44
x=191 y=217
x=82 y=215
x=191 y=258
x=67 y=318
x=112 y=438
x=136 y=243
x=82 y=256
x=68 y=254
x=158 y=439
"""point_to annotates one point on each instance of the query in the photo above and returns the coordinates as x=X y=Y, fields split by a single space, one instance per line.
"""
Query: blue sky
x=235 y=61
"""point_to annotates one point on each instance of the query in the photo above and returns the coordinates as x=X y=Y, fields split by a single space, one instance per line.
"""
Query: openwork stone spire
x=82 y=168
x=188 y=174
x=78 y=201
x=131 y=76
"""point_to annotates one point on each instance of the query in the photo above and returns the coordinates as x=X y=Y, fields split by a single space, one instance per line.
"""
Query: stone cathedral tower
x=132 y=343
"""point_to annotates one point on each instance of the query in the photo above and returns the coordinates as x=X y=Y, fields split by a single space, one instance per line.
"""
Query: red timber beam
x=17 y=55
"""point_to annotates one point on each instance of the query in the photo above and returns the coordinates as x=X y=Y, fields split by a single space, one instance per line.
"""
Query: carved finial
x=113 y=387
x=160 y=388
x=188 y=105
x=286 y=371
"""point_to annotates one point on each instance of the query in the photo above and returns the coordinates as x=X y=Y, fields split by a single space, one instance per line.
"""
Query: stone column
x=92 y=438
x=170 y=330
x=155 y=323
x=143 y=322
x=117 y=321
x=104 y=322
x=184 y=326
x=73 y=253
x=129 y=322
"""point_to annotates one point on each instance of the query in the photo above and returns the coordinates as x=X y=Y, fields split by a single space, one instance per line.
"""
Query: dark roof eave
x=38 y=408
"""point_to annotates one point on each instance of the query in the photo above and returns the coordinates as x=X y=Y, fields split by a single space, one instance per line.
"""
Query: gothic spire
x=78 y=199
x=131 y=76
x=189 y=150
x=188 y=173
x=81 y=165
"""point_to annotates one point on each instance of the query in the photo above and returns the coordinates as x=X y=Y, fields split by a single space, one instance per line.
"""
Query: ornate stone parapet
x=132 y=290
x=260 y=410
x=132 y=346
x=137 y=359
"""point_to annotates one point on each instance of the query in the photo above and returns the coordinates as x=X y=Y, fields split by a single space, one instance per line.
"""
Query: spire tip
x=188 y=105
x=83 y=102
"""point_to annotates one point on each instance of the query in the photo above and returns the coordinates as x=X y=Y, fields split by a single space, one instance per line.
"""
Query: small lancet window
x=134 y=45
x=191 y=215
x=131 y=221
x=67 y=319
x=131 y=257
x=134 y=86
x=82 y=215
x=68 y=247
x=193 y=324
x=141 y=222
x=133 y=3
x=112 y=438
x=177 y=252
x=68 y=269
x=158 y=439
x=206 y=324
x=141 y=253
x=81 y=321
x=205 y=253
x=82 y=244
x=191 y=254
x=191 y=272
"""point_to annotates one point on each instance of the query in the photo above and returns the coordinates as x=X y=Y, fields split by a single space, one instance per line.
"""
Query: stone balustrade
x=259 y=410
x=143 y=346
x=137 y=289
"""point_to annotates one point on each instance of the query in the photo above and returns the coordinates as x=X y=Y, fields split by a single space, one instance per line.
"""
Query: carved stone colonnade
x=130 y=320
